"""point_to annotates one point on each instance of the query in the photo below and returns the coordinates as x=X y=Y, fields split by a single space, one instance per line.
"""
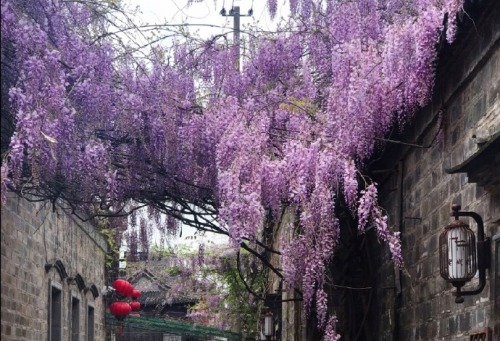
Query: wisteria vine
x=99 y=130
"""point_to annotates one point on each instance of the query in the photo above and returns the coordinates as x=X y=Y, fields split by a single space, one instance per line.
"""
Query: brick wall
x=31 y=236
x=418 y=192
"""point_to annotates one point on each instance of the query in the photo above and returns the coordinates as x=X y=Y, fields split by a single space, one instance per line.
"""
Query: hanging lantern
x=123 y=287
x=120 y=310
x=130 y=289
x=460 y=257
x=135 y=306
x=457 y=253
x=135 y=294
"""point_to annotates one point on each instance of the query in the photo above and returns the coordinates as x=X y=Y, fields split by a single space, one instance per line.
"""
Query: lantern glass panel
x=457 y=253
x=268 y=325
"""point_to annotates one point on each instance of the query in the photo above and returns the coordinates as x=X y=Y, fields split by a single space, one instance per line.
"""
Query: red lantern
x=123 y=287
x=135 y=294
x=120 y=286
x=135 y=306
x=130 y=289
x=120 y=310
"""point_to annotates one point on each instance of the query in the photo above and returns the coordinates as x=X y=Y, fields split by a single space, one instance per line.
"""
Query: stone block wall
x=33 y=235
x=418 y=192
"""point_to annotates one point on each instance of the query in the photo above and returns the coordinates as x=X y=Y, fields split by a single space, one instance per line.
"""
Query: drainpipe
x=400 y=228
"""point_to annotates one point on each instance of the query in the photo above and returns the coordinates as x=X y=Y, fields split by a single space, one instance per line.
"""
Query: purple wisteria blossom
x=186 y=132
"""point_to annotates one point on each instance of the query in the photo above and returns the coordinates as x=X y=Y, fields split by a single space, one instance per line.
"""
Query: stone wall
x=32 y=236
x=292 y=319
x=418 y=191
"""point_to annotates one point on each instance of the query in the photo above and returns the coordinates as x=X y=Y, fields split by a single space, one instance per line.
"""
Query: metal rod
x=236 y=35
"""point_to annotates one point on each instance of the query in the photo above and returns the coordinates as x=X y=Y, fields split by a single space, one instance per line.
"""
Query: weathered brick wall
x=31 y=236
x=291 y=318
x=418 y=193
x=293 y=321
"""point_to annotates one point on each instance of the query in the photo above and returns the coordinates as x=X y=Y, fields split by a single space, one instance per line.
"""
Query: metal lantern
x=458 y=261
x=457 y=253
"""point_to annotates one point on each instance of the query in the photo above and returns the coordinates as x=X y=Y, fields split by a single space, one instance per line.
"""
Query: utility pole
x=235 y=13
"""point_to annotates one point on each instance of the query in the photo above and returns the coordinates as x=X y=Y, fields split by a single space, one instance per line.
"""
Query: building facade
x=52 y=270
x=451 y=156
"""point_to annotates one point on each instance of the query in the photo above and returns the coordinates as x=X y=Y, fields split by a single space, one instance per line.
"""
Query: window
x=496 y=276
x=55 y=312
x=90 y=323
x=483 y=334
x=75 y=319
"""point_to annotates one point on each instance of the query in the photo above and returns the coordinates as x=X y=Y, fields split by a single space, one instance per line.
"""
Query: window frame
x=75 y=336
x=52 y=329
x=90 y=321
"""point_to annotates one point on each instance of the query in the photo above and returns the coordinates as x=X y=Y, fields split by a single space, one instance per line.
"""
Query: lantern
x=457 y=254
x=135 y=306
x=135 y=294
x=130 y=289
x=123 y=287
x=120 y=310
x=268 y=327
x=458 y=262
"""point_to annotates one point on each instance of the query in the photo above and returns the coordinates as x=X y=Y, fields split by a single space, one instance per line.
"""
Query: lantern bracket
x=483 y=254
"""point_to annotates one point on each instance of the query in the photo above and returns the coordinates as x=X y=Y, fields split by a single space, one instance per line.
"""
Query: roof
x=145 y=281
x=483 y=165
x=154 y=291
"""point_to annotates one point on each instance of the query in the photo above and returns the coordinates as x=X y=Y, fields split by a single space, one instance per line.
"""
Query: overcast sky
x=206 y=12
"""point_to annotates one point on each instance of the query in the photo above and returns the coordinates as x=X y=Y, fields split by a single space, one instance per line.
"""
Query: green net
x=172 y=327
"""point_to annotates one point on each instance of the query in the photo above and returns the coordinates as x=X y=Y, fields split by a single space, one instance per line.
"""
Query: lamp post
x=458 y=260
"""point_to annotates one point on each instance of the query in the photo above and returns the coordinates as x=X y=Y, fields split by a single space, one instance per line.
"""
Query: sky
x=206 y=12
